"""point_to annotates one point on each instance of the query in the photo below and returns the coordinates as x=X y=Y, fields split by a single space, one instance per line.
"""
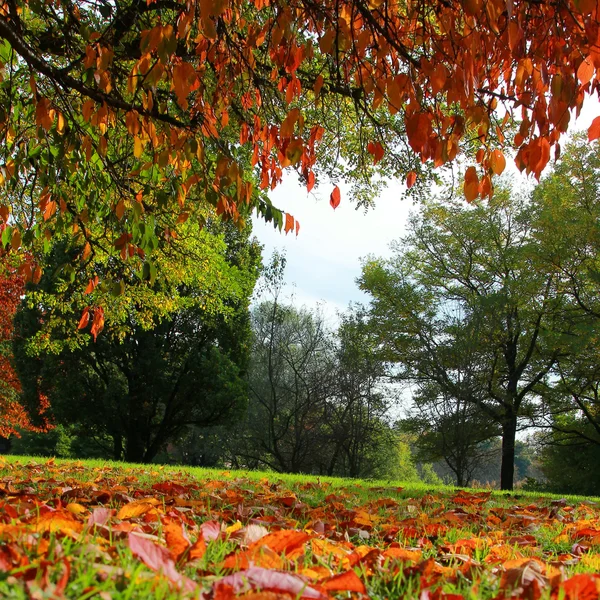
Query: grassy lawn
x=90 y=529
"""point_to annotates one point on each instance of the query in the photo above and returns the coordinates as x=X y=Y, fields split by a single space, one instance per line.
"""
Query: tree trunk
x=507 y=468
x=117 y=446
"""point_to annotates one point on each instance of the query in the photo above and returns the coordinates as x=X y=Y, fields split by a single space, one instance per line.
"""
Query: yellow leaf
x=138 y=147
x=134 y=509
x=233 y=528
x=75 y=509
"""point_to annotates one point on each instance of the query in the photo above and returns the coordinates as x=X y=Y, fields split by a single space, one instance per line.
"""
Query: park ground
x=91 y=529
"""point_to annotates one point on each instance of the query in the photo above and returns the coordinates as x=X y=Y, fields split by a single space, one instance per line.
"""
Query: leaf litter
x=73 y=530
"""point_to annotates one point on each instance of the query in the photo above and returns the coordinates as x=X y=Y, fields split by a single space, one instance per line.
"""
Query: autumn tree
x=132 y=113
x=13 y=415
x=467 y=277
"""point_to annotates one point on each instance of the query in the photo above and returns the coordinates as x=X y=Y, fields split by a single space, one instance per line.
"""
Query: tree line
x=488 y=311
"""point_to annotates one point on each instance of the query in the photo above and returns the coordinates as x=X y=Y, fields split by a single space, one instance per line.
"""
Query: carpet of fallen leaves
x=73 y=530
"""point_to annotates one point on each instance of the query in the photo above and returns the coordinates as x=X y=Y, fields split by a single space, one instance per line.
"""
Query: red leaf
x=581 y=587
x=158 y=559
x=345 y=582
x=310 y=181
x=335 y=197
x=297 y=227
x=267 y=580
x=594 y=130
x=411 y=179
x=211 y=530
x=376 y=149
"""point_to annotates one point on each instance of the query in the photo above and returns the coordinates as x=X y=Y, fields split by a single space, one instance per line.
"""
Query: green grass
x=399 y=539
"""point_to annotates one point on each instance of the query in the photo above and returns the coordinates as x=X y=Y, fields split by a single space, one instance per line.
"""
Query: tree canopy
x=119 y=120
x=467 y=305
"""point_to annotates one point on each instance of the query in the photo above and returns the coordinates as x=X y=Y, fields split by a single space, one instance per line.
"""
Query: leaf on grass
x=175 y=537
x=135 y=509
x=584 y=586
x=348 y=581
x=211 y=530
x=268 y=580
x=58 y=521
x=285 y=540
x=158 y=559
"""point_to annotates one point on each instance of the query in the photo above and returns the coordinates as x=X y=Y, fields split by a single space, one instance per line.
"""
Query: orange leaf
x=175 y=537
x=471 y=187
x=411 y=179
x=285 y=540
x=586 y=70
x=594 y=130
x=497 y=162
x=539 y=155
x=335 y=197
x=85 y=318
x=289 y=223
x=345 y=582
x=59 y=520
x=198 y=549
x=134 y=509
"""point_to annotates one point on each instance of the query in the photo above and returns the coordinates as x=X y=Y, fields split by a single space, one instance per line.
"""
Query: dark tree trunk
x=507 y=468
x=117 y=446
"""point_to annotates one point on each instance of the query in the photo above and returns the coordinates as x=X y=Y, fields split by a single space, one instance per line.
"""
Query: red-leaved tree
x=13 y=415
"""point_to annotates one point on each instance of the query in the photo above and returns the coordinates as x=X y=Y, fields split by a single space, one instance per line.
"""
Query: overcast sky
x=323 y=262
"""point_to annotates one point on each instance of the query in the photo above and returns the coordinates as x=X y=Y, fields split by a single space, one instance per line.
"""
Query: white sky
x=323 y=262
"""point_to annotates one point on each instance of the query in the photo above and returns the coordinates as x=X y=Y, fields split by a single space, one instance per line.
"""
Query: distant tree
x=291 y=377
x=569 y=455
x=471 y=273
x=358 y=412
x=452 y=429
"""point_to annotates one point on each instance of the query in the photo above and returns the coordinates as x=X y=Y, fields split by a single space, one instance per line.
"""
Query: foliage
x=568 y=201
x=13 y=415
x=118 y=120
x=569 y=461
x=183 y=533
x=141 y=384
x=316 y=401
x=451 y=429
x=465 y=306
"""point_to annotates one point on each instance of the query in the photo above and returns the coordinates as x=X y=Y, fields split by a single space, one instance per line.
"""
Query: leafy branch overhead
x=119 y=121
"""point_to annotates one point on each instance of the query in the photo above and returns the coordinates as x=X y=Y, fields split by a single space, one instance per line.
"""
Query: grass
x=114 y=531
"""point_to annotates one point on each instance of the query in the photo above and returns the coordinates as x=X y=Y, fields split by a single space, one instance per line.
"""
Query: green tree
x=449 y=428
x=143 y=382
x=568 y=232
x=470 y=274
